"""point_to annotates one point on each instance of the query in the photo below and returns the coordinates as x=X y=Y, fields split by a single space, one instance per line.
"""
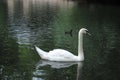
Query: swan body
x=64 y=55
x=57 y=55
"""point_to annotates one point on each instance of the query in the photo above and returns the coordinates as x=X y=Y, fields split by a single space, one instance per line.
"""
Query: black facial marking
x=87 y=31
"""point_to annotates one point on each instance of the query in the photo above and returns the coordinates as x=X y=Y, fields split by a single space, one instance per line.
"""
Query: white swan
x=64 y=55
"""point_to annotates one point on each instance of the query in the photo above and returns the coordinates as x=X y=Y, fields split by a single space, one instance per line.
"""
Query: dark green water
x=25 y=23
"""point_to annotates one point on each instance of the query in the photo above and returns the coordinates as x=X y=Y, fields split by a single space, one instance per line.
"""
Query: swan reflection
x=55 y=65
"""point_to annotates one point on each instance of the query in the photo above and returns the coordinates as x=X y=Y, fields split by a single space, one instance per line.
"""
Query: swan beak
x=88 y=33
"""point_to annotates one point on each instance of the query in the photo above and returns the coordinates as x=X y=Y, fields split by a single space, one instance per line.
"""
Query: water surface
x=25 y=23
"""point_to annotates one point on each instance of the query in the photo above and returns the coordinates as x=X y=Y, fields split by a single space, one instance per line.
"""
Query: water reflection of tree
x=8 y=46
x=41 y=22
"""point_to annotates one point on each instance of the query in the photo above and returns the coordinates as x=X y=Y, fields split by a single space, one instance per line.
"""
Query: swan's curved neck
x=80 y=45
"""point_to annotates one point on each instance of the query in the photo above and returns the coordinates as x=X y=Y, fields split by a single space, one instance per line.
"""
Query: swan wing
x=60 y=55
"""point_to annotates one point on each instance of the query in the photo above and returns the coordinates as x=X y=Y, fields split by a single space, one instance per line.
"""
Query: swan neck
x=80 y=45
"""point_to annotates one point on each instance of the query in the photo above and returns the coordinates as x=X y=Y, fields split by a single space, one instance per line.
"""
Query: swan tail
x=40 y=52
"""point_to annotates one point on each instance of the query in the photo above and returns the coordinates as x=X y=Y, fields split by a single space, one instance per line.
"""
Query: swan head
x=84 y=31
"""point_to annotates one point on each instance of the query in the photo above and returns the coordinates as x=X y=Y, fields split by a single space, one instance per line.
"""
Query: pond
x=44 y=23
